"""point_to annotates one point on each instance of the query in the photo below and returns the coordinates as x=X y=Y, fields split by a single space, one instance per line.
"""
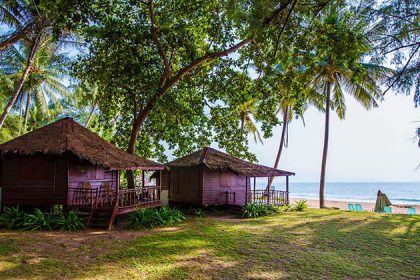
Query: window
x=36 y=168
x=227 y=179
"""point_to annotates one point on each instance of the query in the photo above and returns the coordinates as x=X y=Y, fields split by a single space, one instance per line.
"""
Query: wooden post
x=287 y=190
x=142 y=178
x=254 y=189
x=160 y=183
x=269 y=190
x=246 y=189
x=117 y=181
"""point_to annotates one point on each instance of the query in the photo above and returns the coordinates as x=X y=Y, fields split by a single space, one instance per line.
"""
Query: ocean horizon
x=397 y=192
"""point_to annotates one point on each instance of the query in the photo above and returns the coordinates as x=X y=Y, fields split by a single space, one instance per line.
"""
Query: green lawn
x=310 y=245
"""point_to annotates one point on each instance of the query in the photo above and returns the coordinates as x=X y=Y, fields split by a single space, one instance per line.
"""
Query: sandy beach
x=368 y=206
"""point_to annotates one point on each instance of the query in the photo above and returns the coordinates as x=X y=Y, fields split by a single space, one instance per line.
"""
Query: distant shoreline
x=358 y=200
x=368 y=206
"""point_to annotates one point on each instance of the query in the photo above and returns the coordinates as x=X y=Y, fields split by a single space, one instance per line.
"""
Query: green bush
x=199 y=212
x=155 y=217
x=70 y=222
x=39 y=221
x=12 y=217
x=286 y=208
x=254 y=210
x=300 y=205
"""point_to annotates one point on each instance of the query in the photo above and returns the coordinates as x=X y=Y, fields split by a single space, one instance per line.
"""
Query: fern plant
x=254 y=210
x=300 y=205
x=70 y=222
x=39 y=221
x=12 y=217
x=155 y=217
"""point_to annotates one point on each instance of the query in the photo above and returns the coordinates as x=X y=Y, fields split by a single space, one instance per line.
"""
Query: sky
x=368 y=146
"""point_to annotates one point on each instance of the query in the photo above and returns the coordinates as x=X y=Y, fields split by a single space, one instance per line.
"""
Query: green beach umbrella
x=381 y=201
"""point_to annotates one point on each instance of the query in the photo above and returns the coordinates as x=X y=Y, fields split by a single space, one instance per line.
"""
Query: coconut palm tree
x=88 y=97
x=340 y=44
x=18 y=16
x=247 y=112
x=43 y=85
x=286 y=105
x=27 y=24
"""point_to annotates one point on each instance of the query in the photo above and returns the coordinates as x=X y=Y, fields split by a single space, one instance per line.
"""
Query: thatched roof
x=66 y=135
x=214 y=159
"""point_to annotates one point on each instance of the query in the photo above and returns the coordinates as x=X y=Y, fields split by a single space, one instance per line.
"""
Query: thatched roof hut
x=210 y=177
x=66 y=135
x=216 y=160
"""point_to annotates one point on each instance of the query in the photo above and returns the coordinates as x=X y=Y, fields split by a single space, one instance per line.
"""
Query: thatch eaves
x=217 y=160
x=66 y=135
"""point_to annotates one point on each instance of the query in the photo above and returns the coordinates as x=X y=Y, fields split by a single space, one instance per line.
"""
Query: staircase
x=100 y=218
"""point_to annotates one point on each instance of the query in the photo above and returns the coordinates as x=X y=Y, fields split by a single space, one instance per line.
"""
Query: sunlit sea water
x=398 y=193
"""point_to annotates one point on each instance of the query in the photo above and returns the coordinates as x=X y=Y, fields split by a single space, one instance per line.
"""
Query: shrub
x=39 y=221
x=285 y=208
x=155 y=217
x=70 y=222
x=199 y=212
x=254 y=210
x=249 y=211
x=12 y=217
x=300 y=205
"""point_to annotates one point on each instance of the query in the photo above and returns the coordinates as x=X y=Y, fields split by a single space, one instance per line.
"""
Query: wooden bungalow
x=66 y=164
x=210 y=177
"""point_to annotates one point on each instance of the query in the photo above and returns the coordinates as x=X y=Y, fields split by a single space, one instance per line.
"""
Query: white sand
x=368 y=206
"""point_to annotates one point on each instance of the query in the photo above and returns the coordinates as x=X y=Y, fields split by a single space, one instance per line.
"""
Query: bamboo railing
x=269 y=197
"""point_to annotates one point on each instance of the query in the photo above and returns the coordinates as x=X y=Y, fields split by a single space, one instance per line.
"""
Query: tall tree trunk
x=17 y=90
x=325 y=152
x=242 y=126
x=137 y=124
x=282 y=139
x=91 y=113
x=28 y=103
x=20 y=114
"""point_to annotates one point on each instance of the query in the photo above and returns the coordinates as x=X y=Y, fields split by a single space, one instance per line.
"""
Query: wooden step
x=100 y=218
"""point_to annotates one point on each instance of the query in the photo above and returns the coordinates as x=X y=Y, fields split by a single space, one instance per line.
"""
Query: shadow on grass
x=317 y=243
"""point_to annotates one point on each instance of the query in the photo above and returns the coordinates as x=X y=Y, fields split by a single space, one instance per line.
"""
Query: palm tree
x=20 y=20
x=88 y=97
x=341 y=43
x=286 y=105
x=30 y=27
x=247 y=111
x=43 y=85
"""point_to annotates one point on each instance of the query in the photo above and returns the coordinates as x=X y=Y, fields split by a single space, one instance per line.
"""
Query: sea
x=397 y=192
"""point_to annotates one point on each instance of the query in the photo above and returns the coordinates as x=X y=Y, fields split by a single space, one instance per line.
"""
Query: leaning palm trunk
x=28 y=104
x=91 y=115
x=325 y=152
x=282 y=139
x=20 y=115
x=17 y=90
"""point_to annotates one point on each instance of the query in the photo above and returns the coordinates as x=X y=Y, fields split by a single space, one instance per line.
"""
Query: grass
x=309 y=245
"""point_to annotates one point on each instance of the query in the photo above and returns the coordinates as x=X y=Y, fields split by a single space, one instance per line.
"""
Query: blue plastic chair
x=351 y=207
x=387 y=210
x=411 y=211
x=359 y=207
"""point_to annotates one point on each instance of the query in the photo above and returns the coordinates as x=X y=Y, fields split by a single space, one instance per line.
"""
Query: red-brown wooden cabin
x=64 y=163
x=210 y=177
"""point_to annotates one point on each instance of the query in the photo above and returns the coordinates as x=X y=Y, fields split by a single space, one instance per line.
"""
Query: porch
x=261 y=196
x=101 y=201
x=122 y=200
